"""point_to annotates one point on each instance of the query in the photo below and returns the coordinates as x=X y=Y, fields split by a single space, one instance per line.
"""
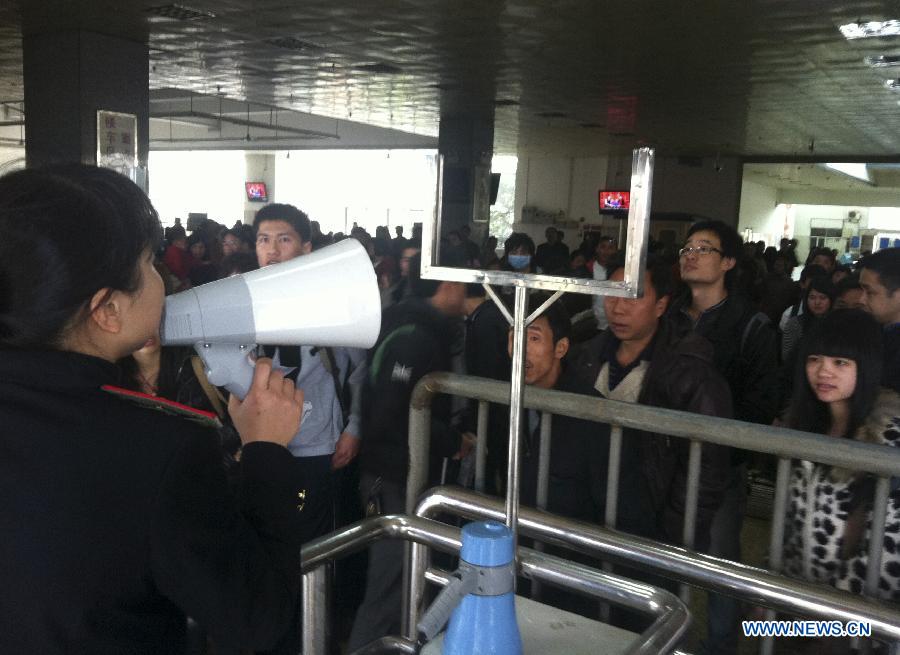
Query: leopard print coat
x=819 y=500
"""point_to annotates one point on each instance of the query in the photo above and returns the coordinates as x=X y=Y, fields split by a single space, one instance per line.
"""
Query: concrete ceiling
x=758 y=78
x=884 y=177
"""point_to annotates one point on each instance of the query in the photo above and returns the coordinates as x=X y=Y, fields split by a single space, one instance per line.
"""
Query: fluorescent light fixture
x=893 y=85
x=856 y=171
x=872 y=29
x=882 y=61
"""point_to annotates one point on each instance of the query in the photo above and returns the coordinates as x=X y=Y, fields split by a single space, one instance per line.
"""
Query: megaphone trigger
x=228 y=365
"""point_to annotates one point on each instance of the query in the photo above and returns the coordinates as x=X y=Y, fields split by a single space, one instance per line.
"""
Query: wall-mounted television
x=614 y=201
x=256 y=191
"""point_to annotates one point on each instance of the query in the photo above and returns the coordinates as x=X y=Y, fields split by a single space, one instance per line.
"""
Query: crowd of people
x=721 y=329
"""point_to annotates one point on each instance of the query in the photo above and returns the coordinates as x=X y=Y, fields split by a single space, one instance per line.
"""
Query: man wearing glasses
x=745 y=353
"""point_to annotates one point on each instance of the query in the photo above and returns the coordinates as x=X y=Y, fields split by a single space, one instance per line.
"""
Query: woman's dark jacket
x=117 y=521
x=680 y=376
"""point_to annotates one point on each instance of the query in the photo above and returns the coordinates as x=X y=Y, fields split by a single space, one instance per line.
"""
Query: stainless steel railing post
x=481 y=445
x=516 y=407
x=776 y=540
x=314 y=596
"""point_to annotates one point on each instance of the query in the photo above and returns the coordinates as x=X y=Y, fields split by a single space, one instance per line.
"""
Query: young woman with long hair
x=837 y=393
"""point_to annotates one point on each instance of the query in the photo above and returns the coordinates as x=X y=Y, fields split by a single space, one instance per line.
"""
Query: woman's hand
x=272 y=409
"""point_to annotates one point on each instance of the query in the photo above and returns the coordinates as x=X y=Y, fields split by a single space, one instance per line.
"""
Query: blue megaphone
x=482 y=592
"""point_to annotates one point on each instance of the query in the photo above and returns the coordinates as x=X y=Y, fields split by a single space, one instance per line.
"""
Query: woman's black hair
x=821 y=284
x=518 y=240
x=68 y=231
x=172 y=362
x=850 y=334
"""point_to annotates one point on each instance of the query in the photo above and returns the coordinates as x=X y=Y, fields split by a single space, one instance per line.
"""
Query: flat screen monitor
x=256 y=192
x=614 y=201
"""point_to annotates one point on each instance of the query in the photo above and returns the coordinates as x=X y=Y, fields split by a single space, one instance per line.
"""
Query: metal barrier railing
x=749 y=583
x=785 y=444
x=671 y=617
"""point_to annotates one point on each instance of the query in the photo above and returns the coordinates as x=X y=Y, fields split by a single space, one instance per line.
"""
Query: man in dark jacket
x=880 y=281
x=551 y=255
x=579 y=449
x=487 y=331
x=647 y=358
x=572 y=470
x=415 y=339
x=745 y=351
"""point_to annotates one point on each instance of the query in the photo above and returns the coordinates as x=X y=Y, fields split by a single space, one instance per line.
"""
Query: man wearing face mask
x=519 y=252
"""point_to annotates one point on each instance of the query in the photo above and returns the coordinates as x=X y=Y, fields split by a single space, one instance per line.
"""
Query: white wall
x=204 y=182
x=369 y=187
x=561 y=184
x=760 y=212
x=570 y=185
x=884 y=218
x=711 y=190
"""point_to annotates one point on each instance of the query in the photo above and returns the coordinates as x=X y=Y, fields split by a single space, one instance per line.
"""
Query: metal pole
x=419 y=452
x=544 y=461
x=692 y=495
x=314 y=596
x=611 y=511
x=481 y=445
x=612 y=476
x=776 y=540
x=876 y=548
x=515 y=411
x=543 y=484
x=691 y=499
x=414 y=577
x=876 y=539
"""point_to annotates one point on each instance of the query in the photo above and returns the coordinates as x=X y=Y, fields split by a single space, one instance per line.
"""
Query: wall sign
x=117 y=142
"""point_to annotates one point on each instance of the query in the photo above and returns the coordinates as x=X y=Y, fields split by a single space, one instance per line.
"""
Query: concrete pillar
x=467 y=145
x=69 y=76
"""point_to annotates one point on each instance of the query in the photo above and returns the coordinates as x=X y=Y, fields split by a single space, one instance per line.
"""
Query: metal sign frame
x=630 y=287
x=635 y=251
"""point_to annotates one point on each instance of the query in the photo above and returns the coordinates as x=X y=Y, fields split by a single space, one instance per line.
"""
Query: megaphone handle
x=228 y=365
x=463 y=582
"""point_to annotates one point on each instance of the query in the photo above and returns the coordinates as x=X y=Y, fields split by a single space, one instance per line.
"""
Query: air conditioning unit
x=853 y=216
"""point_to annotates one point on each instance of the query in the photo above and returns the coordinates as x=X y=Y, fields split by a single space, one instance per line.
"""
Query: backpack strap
x=212 y=393
x=326 y=355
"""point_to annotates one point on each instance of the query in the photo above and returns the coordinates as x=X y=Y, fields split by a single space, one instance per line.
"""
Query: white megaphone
x=327 y=298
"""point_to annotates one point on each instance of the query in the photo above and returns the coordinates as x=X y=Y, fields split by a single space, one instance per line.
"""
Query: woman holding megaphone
x=117 y=520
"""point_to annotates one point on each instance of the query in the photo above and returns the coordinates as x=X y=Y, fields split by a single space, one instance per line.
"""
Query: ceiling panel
x=755 y=78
